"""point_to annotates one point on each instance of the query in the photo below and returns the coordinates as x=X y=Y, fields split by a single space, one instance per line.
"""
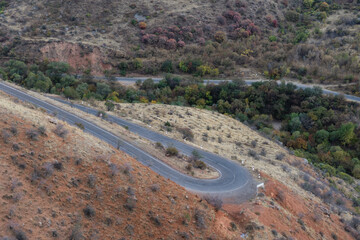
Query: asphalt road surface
x=233 y=178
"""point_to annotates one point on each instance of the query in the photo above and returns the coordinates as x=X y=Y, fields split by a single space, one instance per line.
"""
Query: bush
x=199 y=164
x=215 y=202
x=167 y=66
x=187 y=133
x=89 y=211
x=80 y=125
x=159 y=145
x=58 y=165
x=220 y=36
x=292 y=16
x=76 y=234
x=172 y=151
x=114 y=170
x=253 y=154
x=91 y=180
x=347 y=178
x=130 y=204
x=200 y=218
x=13 y=130
x=42 y=130
x=155 y=187
x=280 y=156
x=154 y=219
x=32 y=134
x=71 y=93
x=272 y=38
x=142 y=25
x=5 y=135
x=263 y=152
x=196 y=155
x=61 y=131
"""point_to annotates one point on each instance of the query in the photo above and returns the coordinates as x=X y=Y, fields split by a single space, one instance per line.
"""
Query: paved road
x=234 y=178
x=248 y=82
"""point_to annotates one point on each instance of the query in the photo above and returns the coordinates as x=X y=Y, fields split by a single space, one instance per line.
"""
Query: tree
x=82 y=89
x=103 y=89
x=345 y=134
x=148 y=84
x=321 y=136
x=71 y=93
x=196 y=155
x=192 y=94
x=167 y=66
x=17 y=70
x=356 y=171
x=110 y=106
x=220 y=36
x=55 y=70
x=308 y=3
x=67 y=80
x=171 y=81
x=38 y=81
x=342 y=158
x=294 y=123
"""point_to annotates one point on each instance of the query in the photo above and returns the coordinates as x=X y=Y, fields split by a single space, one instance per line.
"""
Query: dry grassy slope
x=53 y=204
x=214 y=132
x=283 y=203
x=225 y=136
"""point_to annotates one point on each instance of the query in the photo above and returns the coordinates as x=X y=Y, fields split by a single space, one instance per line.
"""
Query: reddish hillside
x=59 y=183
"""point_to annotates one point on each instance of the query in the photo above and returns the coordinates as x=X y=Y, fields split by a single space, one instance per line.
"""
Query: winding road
x=233 y=178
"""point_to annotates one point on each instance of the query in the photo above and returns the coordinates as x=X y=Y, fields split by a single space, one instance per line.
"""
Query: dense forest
x=321 y=128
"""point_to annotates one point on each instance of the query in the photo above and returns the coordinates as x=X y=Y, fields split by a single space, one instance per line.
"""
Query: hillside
x=86 y=174
x=58 y=182
x=298 y=201
x=312 y=41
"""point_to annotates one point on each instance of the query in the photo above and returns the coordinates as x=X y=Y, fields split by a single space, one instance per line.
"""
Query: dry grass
x=178 y=163
x=219 y=134
x=44 y=199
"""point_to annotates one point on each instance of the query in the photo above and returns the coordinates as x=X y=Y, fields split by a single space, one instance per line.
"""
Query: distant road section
x=248 y=82
x=233 y=178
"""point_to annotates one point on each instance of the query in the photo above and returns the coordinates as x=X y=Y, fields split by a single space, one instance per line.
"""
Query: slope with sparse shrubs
x=82 y=188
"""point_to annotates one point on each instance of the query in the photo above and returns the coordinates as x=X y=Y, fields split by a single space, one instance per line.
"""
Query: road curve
x=233 y=177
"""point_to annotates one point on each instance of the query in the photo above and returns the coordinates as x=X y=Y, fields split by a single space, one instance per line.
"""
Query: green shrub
x=292 y=16
x=172 y=151
x=199 y=164
x=110 y=106
x=356 y=171
x=80 y=125
x=272 y=38
x=167 y=66
x=328 y=169
x=347 y=178
x=55 y=70
x=71 y=93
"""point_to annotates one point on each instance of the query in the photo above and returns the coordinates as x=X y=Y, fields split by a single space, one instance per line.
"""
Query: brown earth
x=179 y=162
x=279 y=212
x=79 y=57
x=284 y=176
x=42 y=200
x=47 y=181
